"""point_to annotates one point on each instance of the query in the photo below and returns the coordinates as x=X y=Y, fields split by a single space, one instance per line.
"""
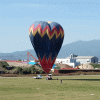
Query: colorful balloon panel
x=47 y=39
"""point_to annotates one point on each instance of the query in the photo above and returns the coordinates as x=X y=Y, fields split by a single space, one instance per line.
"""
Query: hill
x=81 y=48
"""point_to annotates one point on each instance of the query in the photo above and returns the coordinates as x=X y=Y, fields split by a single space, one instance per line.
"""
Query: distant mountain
x=17 y=55
x=81 y=48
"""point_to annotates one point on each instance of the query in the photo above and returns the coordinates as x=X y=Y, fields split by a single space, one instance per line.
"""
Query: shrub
x=24 y=70
x=4 y=64
x=29 y=70
x=33 y=70
x=57 y=67
x=19 y=60
x=95 y=65
x=42 y=72
x=19 y=70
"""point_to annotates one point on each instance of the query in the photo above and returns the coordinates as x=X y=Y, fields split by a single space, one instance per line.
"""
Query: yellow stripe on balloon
x=46 y=32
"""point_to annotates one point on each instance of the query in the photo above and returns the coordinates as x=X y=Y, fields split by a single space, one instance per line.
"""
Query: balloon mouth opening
x=49 y=22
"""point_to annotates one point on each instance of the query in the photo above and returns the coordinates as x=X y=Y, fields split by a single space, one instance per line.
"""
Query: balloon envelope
x=47 y=39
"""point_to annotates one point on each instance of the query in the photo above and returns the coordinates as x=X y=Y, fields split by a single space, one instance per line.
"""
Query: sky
x=80 y=20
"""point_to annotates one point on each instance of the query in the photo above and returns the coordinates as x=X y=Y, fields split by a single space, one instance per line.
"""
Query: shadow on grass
x=79 y=79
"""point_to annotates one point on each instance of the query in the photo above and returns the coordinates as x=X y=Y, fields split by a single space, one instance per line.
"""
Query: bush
x=57 y=67
x=33 y=70
x=29 y=70
x=19 y=70
x=22 y=70
x=4 y=64
x=19 y=60
x=42 y=72
x=95 y=65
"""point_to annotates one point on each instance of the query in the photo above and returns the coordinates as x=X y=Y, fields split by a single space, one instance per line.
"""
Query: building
x=86 y=59
x=75 y=60
x=69 y=61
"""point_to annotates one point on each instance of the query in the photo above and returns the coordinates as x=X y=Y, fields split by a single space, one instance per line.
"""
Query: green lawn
x=72 y=88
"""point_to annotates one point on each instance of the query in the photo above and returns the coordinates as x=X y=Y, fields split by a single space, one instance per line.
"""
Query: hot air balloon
x=47 y=39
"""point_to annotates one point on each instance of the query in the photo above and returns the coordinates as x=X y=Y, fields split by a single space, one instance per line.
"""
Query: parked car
x=49 y=77
x=38 y=77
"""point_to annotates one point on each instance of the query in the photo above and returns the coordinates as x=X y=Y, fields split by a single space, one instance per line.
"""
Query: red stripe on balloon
x=47 y=27
x=47 y=64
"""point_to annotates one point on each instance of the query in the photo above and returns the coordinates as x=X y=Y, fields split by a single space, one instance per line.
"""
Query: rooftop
x=85 y=57
x=78 y=57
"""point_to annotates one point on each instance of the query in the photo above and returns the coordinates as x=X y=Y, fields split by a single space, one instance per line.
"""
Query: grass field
x=72 y=88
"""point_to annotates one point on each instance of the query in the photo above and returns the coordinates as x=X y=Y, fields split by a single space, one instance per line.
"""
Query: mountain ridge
x=80 y=48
